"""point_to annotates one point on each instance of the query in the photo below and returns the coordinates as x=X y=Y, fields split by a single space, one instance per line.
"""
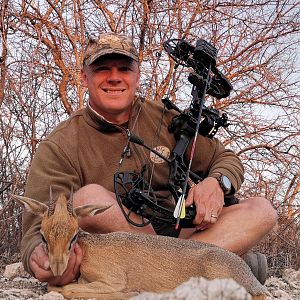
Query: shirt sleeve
x=50 y=166
x=212 y=157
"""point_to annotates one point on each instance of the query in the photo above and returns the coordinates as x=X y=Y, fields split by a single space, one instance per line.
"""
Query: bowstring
x=158 y=132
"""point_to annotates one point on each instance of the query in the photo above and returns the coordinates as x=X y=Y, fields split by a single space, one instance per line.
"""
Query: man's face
x=112 y=81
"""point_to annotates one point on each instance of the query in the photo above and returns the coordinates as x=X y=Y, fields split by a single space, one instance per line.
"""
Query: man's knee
x=263 y=209
x=110 y=220
x=93 y=194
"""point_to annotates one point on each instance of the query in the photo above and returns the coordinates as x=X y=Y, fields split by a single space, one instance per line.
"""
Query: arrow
x=179 y=211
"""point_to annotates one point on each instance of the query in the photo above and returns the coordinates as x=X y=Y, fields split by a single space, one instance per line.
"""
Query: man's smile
x=113 y=91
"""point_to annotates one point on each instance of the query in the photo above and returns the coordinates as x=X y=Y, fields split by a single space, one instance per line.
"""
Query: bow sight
x=131 y=189
x=202 y=59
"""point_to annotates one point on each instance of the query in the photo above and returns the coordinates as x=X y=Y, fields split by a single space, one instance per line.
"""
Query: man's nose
x=114 y=75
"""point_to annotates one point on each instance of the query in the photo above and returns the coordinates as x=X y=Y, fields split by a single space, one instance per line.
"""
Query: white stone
x=19 y=294
x=201 y=289
x=52 y=296
x=14 y=270
x=292 y=277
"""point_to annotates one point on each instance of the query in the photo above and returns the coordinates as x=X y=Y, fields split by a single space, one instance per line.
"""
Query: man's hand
x=39 y=264
x=208 y=198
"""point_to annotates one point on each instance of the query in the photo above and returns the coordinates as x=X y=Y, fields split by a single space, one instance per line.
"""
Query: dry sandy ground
x=21 y=286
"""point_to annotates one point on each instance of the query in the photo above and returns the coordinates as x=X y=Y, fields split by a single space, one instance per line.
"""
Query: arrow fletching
x=179 y=211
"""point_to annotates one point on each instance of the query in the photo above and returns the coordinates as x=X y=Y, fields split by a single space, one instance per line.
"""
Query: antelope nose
x=58 y=265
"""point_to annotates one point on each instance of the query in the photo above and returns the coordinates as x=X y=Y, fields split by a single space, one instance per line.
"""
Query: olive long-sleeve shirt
x=86 y=149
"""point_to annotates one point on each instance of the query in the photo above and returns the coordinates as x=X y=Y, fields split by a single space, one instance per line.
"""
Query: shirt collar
x=99 y=122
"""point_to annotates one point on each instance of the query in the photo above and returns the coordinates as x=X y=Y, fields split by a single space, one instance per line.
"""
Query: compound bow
x=132 y=190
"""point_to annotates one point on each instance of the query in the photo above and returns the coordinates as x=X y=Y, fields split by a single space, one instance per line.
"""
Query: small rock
x=3 y=279
x=292 y=277
x=274 y=282
x=52 y=296
x=201 y=288
x=19 y=294
x=14 y=270
x=281 y=295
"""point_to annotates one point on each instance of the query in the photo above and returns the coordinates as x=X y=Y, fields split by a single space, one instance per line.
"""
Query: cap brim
x=104 y=52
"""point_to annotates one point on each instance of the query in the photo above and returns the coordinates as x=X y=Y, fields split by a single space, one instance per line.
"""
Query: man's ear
x=83 y=78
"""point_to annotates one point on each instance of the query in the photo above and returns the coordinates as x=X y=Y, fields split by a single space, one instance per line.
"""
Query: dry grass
x=282 y=246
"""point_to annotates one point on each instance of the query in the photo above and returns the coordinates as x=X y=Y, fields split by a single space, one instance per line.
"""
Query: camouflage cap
x=109 y=43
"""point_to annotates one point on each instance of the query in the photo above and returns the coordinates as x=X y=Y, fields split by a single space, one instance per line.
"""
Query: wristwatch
x=224 y=182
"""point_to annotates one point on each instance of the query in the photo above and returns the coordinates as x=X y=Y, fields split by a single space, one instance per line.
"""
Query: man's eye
x=125 y=69
x=101 y=69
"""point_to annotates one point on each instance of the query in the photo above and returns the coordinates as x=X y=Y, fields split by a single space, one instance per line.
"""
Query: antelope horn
x=51 y=203
x=70 y=202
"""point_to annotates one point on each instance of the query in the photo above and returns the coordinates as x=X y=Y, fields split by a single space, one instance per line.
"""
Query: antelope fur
x=119 y=265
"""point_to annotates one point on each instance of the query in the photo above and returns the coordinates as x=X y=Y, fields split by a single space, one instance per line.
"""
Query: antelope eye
x=44 y=241
x=73 y=241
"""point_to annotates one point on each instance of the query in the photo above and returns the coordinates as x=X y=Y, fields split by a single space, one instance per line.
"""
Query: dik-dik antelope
x=119 y=265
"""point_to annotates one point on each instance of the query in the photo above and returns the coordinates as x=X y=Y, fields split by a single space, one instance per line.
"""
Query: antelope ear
x=36 y=207
x=90 y=210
